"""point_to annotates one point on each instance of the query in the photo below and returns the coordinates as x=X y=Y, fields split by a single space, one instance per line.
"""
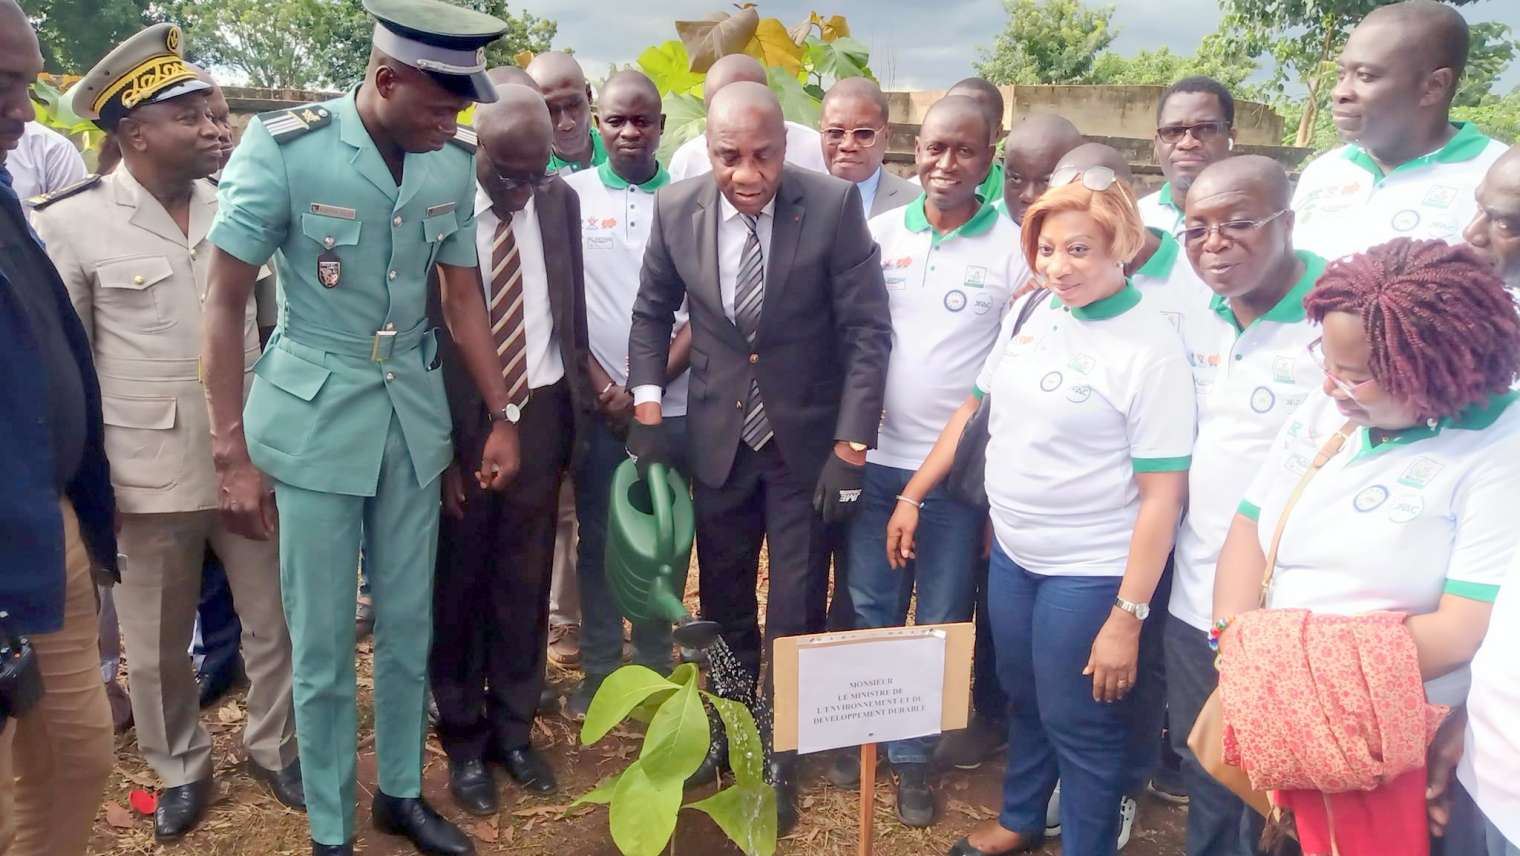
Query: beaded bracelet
x=909 y=500
x=1216 y=630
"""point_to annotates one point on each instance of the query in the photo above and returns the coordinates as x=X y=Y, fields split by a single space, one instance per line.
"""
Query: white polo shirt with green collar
x=1429 y=512
x=1082 y=400
x=948 y=295
x=1344 y=203
x=1170 y=284
x=1249 y=382
x=615 y=221
x=1159 y=211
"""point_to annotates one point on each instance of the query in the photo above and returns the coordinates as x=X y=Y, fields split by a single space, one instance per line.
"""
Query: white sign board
x=869 y=691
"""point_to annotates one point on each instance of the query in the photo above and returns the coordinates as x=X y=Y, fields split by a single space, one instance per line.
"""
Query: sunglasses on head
x=1094 y=178
x=1203 y=132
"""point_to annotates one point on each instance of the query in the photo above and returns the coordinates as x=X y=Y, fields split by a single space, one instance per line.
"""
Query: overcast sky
x=920 y=45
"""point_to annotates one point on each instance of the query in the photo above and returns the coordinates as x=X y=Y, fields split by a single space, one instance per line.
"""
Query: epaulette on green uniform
x=465 y=138
x=286 y=125
x=43 y=200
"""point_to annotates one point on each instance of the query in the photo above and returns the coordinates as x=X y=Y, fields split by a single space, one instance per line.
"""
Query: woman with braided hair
x=1414 y=512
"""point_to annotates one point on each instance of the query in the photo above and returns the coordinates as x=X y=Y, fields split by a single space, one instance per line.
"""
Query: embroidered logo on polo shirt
x=976 y=276
x=982 y=303
x=1419 y=472
x=599 y=242
x=1406 y=508
x=1051 y=382
x=1282 y=369
x=1079 y=393
x=1439 y=196
x=1082 y=363
x=1263 y=400
x=897 y=264
x=1405 y=220
x=955 y=300
x=595 y=223
x=1370 y=499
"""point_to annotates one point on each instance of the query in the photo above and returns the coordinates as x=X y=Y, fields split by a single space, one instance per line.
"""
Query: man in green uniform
x=357 y=199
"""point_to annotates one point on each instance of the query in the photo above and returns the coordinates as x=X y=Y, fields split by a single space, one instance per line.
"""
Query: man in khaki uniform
x=131 y=248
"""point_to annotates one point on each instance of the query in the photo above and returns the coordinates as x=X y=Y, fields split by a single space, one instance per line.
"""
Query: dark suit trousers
x=491 y=590
x=762 y=500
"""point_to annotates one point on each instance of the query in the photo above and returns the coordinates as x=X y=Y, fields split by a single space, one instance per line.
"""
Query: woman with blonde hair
x=1090 y=432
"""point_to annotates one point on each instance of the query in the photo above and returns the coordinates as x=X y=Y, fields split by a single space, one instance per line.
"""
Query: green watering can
x=650 y=529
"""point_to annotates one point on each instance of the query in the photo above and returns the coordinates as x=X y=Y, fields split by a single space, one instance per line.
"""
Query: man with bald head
x=1036 y=144
x=802 y=143
x=1495 y=230
x=790 y=340
x=495 y=550
x=1252 y=369
x=568 y=95
x=853 y=123
x=1406 y=170
x=990 y=99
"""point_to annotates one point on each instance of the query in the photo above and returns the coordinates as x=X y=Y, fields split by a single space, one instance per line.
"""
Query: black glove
x=838 y=493
x=648 y=444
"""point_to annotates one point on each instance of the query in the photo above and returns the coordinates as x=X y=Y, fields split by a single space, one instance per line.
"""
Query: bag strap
x=1330 y=449
x=1026 y=311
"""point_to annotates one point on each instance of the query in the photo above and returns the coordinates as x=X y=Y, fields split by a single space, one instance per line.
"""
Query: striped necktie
x=749 y=299
x=508 y=321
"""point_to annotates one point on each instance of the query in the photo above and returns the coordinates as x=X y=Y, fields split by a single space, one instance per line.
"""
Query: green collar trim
x=598 y=156
x=616 y=182
x=1476 y=417
x=1159 y=265
x=1290 y=309
x=991 y=188
x=1166 y=197
x=1112 y=306
x=1467 y=143
x=980 y=223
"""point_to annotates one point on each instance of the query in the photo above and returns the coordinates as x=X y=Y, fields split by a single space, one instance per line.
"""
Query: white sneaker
x=1127 y=809
x=1053 y=813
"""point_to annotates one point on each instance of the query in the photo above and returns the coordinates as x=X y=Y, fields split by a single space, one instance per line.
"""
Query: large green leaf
x=669 y=67
x=746 y=812
x=685 y=118
x=620 y=693
x=677 y=739
x=838 y=59
x=599 y=795
x=746 y=754
x=642 y=815
x=796 y=104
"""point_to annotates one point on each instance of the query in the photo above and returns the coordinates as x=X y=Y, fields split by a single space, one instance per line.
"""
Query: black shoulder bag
x=20 y=677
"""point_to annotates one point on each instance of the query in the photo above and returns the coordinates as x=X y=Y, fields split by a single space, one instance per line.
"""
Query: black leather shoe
x=713 y=764
x=473 y=788
x=213 y=687
x=915 y=798
x=332 y=849
x=284 y=784
x=415 y=820
x=180 y=809
x=527 y=768
x=783 y=776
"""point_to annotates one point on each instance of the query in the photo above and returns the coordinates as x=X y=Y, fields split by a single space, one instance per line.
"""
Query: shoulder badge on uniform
x=213 y=181
x=465 y=139
x=285 y=125
x=43 y=200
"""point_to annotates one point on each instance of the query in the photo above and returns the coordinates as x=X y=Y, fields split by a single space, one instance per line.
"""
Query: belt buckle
x=382 y=343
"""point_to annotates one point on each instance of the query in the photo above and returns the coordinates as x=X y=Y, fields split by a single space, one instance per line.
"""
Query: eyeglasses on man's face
x=1203 y=132
x=1231 y=229
x=863 y=137
x=514 y=183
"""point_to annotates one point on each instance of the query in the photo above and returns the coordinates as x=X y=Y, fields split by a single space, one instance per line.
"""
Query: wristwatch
x=857 y=447
x=1141 y=611
x=511 y=413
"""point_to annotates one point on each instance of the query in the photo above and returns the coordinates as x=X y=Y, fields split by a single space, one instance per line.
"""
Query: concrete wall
x=1110 y=111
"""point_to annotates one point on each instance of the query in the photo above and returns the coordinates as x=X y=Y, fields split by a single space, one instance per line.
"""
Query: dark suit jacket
x=559 y=221
x=825 y=332
x=893 y=193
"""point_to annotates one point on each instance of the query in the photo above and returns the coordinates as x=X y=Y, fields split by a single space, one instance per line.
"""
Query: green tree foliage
x=1498 y=116
x=1216 y=58
x=301 y=44
x=1047 y=41
x=77 y=33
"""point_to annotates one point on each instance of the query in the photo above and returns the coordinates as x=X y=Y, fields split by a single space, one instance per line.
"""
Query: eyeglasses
x=1317 y=353
x=1094 y=178
x=1232 y=229
x=510 y=185
x=1202 y=132
x=863 y=137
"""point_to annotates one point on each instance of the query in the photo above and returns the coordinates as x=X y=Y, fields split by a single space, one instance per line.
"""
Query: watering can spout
x=650 y=530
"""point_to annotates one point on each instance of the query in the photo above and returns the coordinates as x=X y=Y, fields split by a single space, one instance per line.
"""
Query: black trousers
x=491 y=590
x=762 y=500
x=987 y=695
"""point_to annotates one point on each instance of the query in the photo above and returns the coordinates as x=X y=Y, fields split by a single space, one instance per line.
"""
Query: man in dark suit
x=790 y=339
x=495 y=551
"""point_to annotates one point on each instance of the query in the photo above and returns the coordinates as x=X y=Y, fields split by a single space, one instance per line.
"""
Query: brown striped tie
x=507 y=318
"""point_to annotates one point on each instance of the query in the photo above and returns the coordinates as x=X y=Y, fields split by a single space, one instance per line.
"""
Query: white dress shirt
x=867 y=190
x=804 y=148
x=44 y=161
x=732 y=234
x=545 y=366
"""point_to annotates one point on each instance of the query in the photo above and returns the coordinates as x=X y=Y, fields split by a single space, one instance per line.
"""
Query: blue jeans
x=1056 y=730
x=1469 y=832
x=948 y=540
x=1218 y=822
x=601 y=620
